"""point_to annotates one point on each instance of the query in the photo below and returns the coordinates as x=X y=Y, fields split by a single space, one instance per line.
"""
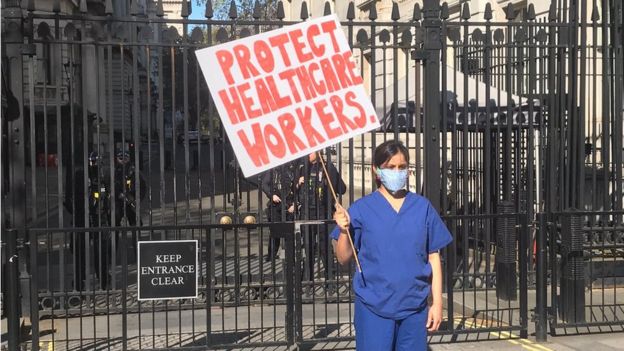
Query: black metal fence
x=242 y=299
x=513 y=121
x=584 y=251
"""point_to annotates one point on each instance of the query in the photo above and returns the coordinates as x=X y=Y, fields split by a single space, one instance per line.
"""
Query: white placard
x=286 y=93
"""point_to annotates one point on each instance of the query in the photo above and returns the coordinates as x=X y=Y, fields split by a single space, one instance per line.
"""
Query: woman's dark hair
x=386 y=150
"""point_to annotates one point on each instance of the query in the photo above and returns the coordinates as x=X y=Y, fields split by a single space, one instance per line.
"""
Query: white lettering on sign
x=168 y=258
x=158 y=270
x=168 y=281
x=167 y=269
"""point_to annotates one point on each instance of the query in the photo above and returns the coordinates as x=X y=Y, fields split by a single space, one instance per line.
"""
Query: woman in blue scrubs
x=398 y=235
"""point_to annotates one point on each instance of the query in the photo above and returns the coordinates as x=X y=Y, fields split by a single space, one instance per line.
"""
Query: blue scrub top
x=393 y=250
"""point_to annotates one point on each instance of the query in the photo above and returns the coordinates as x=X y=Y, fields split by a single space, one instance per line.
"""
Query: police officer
x=99 y=206
x=99 y=216
x=281 y=187
x=318 y=203
x=126 y=192
x=125 y=189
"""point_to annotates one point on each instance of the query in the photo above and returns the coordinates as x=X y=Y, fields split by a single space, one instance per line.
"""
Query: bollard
x=572 y=284
x=506 y=252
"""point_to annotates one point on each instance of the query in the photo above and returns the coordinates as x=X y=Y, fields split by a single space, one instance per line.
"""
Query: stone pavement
x=593 y=342
x=264 y=324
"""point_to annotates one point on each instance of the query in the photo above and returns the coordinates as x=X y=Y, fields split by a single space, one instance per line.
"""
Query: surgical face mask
x=392 y=180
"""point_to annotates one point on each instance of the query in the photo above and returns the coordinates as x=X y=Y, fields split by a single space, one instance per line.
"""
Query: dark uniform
x=126 y=193
x=318 y=204
x=98 y=215
x=281 y=182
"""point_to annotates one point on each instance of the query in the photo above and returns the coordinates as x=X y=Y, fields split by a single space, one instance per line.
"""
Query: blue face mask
x=392 y=180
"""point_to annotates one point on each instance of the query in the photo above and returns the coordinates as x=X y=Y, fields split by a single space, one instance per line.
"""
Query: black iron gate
x=513 y=120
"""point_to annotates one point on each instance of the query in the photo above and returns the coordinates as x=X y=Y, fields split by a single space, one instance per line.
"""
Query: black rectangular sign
x=167 y=269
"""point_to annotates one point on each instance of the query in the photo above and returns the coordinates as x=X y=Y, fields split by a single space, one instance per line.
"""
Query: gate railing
x=241 y=298
x=245 y=297
x=579 y=256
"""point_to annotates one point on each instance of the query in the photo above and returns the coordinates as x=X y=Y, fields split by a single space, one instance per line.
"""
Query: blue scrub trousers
x=375 y=333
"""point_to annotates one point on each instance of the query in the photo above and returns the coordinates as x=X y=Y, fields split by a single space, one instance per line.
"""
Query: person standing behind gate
x=317 y=201
x=281 y=187
x=126 y=193
x=96 y=201
x=398 y=235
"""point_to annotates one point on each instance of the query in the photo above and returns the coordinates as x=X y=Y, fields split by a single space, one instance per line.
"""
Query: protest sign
x=286 y=93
